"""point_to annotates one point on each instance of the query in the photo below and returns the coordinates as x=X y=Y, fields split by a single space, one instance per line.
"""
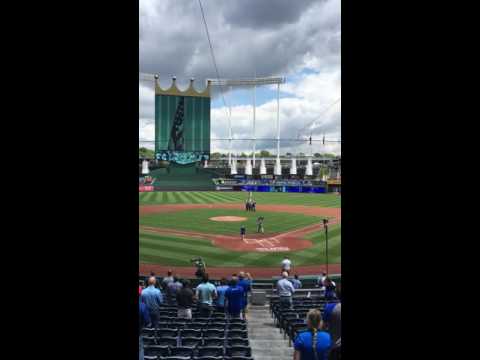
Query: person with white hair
x=285 y=290
x=153 y=298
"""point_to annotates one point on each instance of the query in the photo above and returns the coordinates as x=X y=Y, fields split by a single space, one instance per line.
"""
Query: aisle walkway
x=266 y=341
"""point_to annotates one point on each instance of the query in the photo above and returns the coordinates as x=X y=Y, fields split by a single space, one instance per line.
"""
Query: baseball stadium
x=239 y=204
x=191 y=205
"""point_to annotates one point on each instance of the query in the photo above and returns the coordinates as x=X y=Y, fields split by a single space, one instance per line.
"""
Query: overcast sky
x=297 y=39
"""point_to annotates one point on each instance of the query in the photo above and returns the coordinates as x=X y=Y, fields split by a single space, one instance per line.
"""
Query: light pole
x=325 y=226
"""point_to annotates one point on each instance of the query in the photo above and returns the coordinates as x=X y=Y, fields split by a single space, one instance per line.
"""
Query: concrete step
x=266 y=341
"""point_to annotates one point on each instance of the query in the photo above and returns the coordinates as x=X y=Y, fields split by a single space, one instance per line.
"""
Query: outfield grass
x=214 y=197
x=177 y=251
x=199 y=220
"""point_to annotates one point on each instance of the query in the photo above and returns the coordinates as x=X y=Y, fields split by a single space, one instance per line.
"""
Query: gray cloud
x=271 y=37
x=173 y=39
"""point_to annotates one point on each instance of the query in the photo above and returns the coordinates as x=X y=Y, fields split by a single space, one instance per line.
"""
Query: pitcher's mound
x=228 y=218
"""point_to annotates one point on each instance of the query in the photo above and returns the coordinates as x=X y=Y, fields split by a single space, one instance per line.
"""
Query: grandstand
x=266 y=333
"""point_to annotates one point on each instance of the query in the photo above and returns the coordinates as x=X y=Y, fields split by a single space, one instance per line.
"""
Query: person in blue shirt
x=245 y=284
x=234 y=298
x=313 y=344
x=144 y=320
x=206 y=293
x=221 y=289
x=297 y=284
x=153 y=299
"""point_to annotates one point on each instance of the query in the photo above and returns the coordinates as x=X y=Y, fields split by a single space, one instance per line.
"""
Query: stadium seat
x=243 y=334
x=167 y=333
x=238 y=342
x=191 y=341
x=202 y=319
x=149 y=340
x=214 y=341
x=146 y=357
x=208 y=358
x=237 y=326
x=238 y=351
x=197 y=325
x=164 y=341
x=150 y=332
x=156 y=350
x=213 y=333
x=186 y=351
x=176 y=358
x=190 y=333
x=238 y=358
x=210 y=351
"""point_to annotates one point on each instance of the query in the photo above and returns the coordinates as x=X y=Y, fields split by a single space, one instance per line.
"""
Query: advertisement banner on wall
x=146 y=188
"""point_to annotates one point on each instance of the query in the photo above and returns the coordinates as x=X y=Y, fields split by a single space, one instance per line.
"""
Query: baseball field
x=178 y=226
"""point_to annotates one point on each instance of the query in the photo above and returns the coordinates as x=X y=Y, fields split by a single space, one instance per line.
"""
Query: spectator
x=321 y=279
x=153 y=299
x=185 y=297
x=172 y=289
x=297 y=284
x=332 y=319
x=285 y=290
x=286 y=264
x=234 y=298
x=221 y=289
x=167 y=280
x=144 y=320
x=313 y=344
x=330 y=293
x=245 y=284
x=206 y=293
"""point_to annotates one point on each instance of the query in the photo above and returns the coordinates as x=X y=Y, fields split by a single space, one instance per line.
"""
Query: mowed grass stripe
x=217 y=198
x=187 y=244
x=183 y=198
x=205 y=198
x=216 y=255
x=176 y=197
x=224 y=198
x=191 y=198
x=164 y=197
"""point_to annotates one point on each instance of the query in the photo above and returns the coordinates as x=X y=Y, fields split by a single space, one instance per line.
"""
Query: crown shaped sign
x=174 y=90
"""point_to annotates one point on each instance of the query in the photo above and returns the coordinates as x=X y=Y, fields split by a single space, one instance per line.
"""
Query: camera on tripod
x=200 y=265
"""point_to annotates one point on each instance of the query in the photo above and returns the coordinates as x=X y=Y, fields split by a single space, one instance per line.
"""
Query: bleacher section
x=292 y=321
x=213 y=338
x=182 y=178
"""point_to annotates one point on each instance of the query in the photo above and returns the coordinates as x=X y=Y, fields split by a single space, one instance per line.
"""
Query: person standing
x=245 y=284
x=153 y=299
x=243 y=230
x=172 y=290
x=286 y=264
x=330 y=287
x=206 y=293
x=234 y=298
x=321 y=279
x=144 y=320
x=260 y=225
x=313 y=344
x=221 y=289
x=297 y=284
x=332 y=318
x=285 y=291
x=167 y=280
x=185 y=297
